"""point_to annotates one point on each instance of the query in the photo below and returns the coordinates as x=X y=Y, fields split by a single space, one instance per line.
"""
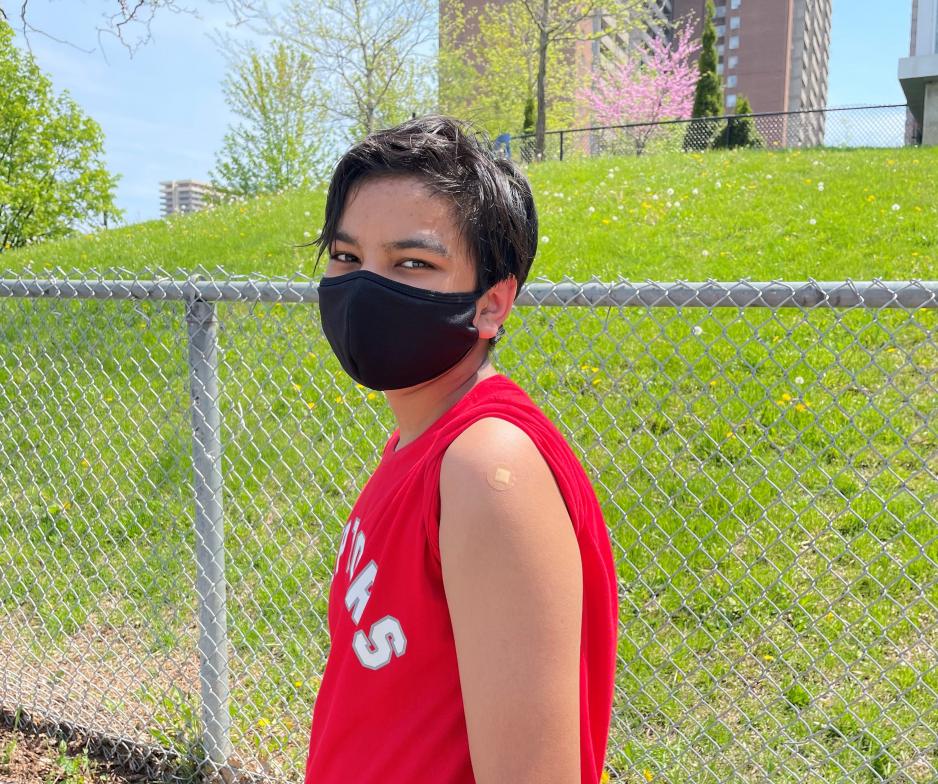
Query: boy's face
x=394 y=227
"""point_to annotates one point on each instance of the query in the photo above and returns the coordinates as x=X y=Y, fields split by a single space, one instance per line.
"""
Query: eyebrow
x=425 y=243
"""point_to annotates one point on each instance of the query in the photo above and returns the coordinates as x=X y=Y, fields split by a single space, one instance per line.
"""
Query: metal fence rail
x=178 y=454
x=850 y=126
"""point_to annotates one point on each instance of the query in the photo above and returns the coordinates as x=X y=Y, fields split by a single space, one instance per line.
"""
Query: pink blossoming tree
x=653 y=84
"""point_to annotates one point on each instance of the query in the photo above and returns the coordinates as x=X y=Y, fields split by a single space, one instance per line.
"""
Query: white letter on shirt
x=375 y=652
x=359 y=592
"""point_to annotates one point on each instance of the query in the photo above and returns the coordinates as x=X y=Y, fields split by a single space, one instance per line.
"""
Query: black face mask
x=389 y=335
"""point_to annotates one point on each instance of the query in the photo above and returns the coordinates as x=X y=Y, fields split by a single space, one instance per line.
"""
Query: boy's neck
x=416 y=408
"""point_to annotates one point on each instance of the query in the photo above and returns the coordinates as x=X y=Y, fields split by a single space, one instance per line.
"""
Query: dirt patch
x=94 y=678
x=40 y=759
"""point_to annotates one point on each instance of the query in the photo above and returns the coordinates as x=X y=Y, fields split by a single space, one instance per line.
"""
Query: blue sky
x=164 y=116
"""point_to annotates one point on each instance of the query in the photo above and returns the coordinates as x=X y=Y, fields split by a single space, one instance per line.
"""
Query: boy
x=473 y=605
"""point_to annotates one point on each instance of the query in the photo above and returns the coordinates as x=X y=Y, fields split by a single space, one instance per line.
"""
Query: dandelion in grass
x=306 y=234
x=769 y=657
x=801 y=407
x=799 y=380
x=545 y=240
x=871 y=198
x=812 y=221
x=695 y=191
x=820 y=186
x=697 y=330
x=649 y=776
x=896 y=208
x=372 y=396
x=705 y=252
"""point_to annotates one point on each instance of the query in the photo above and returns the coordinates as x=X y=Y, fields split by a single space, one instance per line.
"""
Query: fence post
x=561 y=145
x=209 y=528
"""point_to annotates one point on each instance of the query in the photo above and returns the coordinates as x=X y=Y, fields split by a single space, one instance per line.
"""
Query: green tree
x=563 y=23
x=281 y=141
x=53 y=180
x=372 y=57
x=488 y=66
x=708 y=97
x=739 y=131
x=528 y=126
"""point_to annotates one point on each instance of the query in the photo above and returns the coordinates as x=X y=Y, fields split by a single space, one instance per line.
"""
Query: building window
x=721 y=11
x=720 y=50
x=721 y=31
x=734 y=4
x=734 y=61
x=731 y=80
x=734 y=42
x=720 y=69
x=731 y=100
x=734 y=23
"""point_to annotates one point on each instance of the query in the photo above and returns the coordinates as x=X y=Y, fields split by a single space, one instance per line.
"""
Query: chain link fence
x=178 y=455
x=857 y=126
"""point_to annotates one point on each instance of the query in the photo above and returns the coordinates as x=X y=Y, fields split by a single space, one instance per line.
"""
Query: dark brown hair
x=493 y=206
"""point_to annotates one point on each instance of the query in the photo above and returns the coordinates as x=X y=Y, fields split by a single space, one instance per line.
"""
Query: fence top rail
x=713 y=119
x=567 y=293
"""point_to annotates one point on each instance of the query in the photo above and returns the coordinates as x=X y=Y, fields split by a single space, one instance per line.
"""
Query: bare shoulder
x=494 y=455
x=494 y=482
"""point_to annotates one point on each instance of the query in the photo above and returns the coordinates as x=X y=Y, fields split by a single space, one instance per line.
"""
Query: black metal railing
x=884 y=125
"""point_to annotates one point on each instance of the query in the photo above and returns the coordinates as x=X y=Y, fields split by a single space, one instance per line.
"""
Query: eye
x=343 y=258
x=423 y=264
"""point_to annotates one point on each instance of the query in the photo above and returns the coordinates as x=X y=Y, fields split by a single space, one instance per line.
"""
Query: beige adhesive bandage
x=500 y=477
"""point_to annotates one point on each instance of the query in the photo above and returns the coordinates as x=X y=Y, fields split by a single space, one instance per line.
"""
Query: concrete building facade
x=776 y=53
x=918 y=73
x=184 y=196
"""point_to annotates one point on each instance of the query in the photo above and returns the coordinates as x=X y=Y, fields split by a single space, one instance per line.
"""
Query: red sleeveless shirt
x=389 y=707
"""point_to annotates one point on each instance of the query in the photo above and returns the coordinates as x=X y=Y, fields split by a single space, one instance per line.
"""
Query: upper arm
x=513 y=580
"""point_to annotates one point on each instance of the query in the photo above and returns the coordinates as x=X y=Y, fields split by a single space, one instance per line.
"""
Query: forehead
x=396 y=204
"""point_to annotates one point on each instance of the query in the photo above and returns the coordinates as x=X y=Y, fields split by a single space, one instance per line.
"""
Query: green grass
x=768 y=479
x=751 y=214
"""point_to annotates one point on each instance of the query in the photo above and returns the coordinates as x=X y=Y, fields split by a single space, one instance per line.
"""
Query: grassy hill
x=828 y=214
x=767 y=477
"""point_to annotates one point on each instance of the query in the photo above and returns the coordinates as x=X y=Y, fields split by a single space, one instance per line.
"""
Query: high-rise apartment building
x=775 y=52
x=184 y=196
x=918 y=73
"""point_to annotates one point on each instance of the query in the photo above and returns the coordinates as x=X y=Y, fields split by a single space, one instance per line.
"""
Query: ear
x=494 y=307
